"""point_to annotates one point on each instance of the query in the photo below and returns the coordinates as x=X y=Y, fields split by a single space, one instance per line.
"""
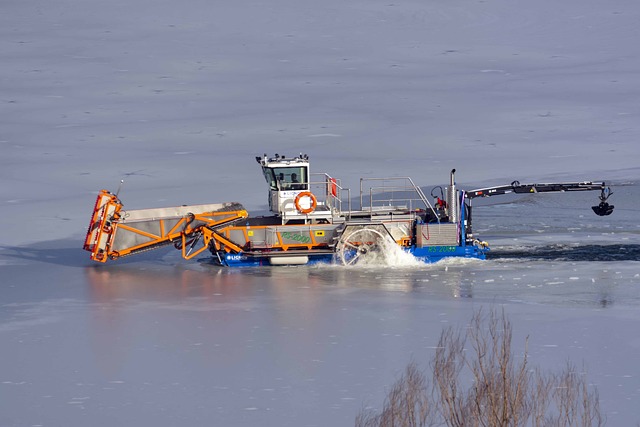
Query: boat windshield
x=287 y=178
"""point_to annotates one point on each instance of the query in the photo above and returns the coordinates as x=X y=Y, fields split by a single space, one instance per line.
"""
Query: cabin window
x=270 y=177
x=289 y=178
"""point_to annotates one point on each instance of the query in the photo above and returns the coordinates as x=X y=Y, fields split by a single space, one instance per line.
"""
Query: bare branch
x=504 y=392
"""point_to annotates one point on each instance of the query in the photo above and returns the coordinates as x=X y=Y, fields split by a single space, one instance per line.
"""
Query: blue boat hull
x=428 y=255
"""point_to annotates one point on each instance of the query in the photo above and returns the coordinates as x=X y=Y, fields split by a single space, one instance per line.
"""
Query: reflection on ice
x=211 y=288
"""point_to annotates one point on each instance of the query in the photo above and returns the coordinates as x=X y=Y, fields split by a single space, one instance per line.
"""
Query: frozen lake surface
x=160 y=341
x=178 y=98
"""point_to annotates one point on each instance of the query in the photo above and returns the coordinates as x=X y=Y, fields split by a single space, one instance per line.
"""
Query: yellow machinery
x=114 y=232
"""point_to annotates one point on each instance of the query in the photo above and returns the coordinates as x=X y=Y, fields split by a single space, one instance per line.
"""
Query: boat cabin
x=286 y=174
x=290 y=189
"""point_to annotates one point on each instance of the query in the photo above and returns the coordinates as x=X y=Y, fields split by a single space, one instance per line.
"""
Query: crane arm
x=515 y=187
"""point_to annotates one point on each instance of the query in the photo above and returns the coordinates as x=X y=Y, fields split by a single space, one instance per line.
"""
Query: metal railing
x=332 y=189
x=390 y=193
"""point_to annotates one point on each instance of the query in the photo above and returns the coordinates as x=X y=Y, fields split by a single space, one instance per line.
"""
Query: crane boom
x=515 y=187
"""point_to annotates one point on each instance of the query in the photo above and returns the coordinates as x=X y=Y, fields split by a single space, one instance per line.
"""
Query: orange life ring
x=314 y=202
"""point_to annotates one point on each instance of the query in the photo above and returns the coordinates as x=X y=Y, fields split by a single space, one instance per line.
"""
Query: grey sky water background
x=177 y=99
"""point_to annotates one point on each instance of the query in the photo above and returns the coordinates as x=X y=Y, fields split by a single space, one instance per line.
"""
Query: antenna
x=119 y=187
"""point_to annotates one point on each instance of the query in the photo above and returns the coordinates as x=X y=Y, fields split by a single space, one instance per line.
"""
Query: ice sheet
x=178 y=97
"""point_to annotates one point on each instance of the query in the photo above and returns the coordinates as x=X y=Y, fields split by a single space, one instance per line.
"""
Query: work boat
x=312 y=219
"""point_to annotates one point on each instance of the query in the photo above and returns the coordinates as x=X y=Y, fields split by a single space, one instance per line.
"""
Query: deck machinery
x=311 y=220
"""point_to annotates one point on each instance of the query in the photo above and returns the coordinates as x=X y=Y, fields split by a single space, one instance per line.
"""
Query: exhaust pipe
x=452 y=199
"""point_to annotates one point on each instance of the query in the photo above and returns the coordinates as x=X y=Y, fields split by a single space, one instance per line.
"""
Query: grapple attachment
x=604 y=208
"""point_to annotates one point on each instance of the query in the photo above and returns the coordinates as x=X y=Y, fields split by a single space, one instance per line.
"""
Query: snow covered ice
x=178 y=98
